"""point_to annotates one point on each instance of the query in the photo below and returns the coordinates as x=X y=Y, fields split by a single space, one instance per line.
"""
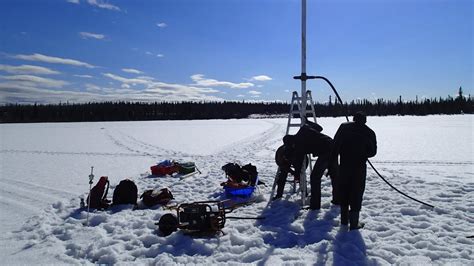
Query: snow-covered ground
x=45 y=167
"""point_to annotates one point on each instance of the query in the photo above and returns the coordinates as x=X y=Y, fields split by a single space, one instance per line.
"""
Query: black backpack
x=153 y=197
x=247 y=173
x=250 y=174
x=125 y=192
x=233 y=171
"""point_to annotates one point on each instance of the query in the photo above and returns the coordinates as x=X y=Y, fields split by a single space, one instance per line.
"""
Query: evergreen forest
x=140 y=111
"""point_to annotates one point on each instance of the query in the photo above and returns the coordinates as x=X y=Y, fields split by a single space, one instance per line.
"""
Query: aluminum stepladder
x=297 y=102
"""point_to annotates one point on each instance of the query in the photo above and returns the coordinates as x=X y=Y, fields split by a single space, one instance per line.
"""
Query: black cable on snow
x=371 y=165
x=388 y=183
x=245 y=218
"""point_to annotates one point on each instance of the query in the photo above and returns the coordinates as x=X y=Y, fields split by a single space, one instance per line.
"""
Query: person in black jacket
x=354 y=142
x=310 y=140
x=283 y=158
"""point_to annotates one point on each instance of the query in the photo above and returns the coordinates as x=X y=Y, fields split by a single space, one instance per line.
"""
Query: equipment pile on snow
x=169 y=167
x=241 y=181
x=166 y=167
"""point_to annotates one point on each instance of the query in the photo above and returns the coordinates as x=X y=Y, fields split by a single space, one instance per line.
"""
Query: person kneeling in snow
x=283 y=158
x=355 y=143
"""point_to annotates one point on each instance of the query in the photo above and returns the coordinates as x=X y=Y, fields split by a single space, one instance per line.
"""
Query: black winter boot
x=354 y=220
x=344 y=214
x=277 y=197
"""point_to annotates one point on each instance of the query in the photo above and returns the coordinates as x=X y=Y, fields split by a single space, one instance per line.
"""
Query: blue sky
x=55 y=51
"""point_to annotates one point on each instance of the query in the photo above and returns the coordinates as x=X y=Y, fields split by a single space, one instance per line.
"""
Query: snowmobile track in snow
x=424 y=162
x=76 y=153
x=31 y=195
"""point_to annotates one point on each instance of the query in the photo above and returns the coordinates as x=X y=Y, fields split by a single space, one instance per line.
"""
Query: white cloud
x=201 y=81
x=52 y=60
x=92 y=87
x=162 y=25
x=254 y=92
x=157 y=55
x=179 y=89
x=151 y=86
x=23 y=93
x=83 y=76
x=89 y=35
x=261 y=78
x=73 y=1
x=102 y=4
x=132 y=70
x=28 y=93
x=146 y=78
x=133 y=81
x=30 y=89
x=240 y=96
x=30 y=80
x=27 y=69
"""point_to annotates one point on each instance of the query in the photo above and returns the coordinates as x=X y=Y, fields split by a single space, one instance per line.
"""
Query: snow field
x=43 y=177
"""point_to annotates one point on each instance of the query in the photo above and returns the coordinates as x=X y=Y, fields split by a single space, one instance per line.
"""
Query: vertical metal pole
x=304 y=99
x=91 y=178
x=303 y=61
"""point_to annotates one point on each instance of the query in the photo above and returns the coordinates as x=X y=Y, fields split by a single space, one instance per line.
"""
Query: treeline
x=133 y=111
x=129 y=111
x=381 y=107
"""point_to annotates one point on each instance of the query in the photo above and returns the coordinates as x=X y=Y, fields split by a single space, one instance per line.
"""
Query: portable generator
x=196 y=217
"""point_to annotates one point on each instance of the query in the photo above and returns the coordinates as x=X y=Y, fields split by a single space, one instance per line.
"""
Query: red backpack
x=97 y=198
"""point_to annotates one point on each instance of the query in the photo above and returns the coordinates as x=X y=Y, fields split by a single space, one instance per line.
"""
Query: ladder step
x=295 y=125
x=298 y=111
x=299 y=99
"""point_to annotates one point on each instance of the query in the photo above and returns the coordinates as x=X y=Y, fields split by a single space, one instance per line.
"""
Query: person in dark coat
x=354 y=142
x=283 y=158
x=310 y=140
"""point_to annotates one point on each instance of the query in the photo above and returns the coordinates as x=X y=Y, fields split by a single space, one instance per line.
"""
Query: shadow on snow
x=280 y=229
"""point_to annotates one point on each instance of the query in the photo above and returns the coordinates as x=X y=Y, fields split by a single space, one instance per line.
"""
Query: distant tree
x=460 y=93
x=460 y=102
